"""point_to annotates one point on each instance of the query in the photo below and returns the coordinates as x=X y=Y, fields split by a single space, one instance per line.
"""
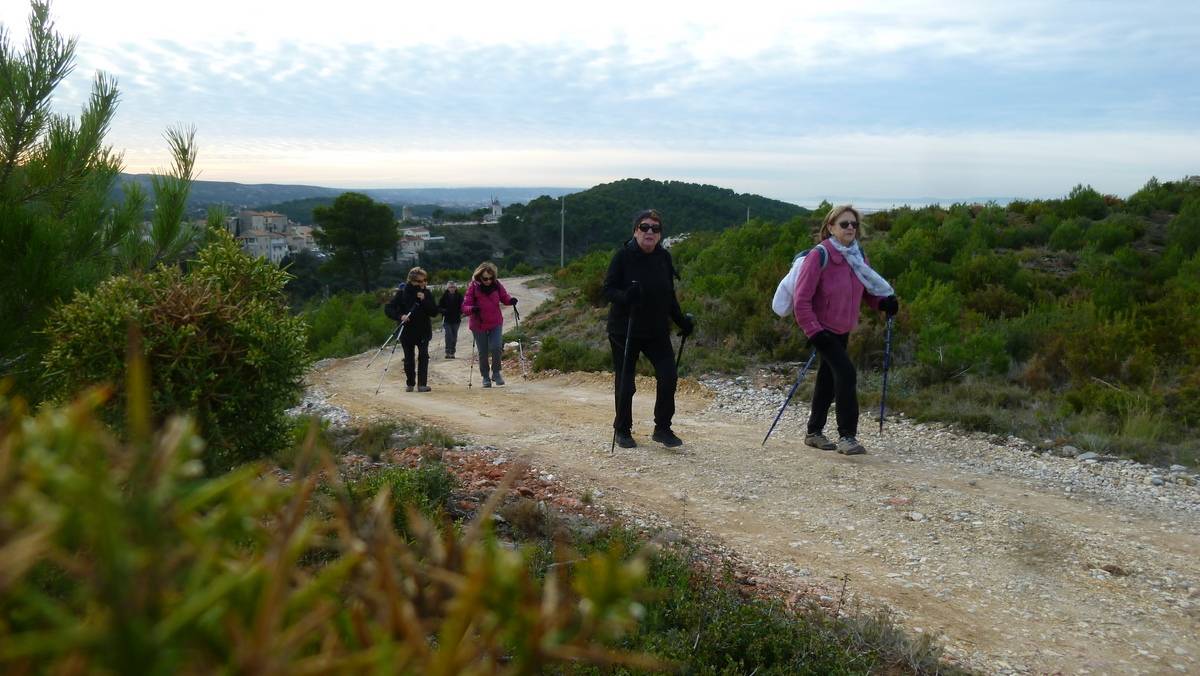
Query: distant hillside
x=600 y=217
x=257 y=195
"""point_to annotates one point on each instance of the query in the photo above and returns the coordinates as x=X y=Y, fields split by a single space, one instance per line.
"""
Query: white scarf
x=876 y=285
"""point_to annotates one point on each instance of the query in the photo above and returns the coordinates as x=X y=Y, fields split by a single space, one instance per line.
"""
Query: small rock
x=914 y=516
x=1156 y=480
x=680 y=496
x=1084 y=457
x=1069 y=452
x=1178 y=468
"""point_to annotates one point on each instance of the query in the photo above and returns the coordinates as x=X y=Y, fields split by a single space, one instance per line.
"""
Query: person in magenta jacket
x=482 y=303
x=826 y=305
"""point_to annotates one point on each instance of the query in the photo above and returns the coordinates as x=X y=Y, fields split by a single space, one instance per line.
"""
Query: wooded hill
x=600 y=217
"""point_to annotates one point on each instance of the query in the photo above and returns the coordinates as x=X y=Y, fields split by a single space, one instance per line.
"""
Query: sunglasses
x=650 y=227
x=485 y=279
x=846 y=225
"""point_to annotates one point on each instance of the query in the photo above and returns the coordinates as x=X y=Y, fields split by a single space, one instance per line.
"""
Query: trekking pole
x=682 y=340
x=621 y=376
x=520 y=350
x=390 y=338
x=799 y=379
x=388 y=365
x=471 y=364
x=887 y=363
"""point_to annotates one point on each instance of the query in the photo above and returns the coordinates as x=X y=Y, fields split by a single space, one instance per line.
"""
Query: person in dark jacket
x=640 y=284
x=415 y=307
x=450 y=305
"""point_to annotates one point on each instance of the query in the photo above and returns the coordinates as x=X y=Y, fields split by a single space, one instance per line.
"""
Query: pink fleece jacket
x=489 y=316
x=829 y=298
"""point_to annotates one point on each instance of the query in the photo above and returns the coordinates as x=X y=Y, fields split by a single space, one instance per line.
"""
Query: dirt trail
x=1014 y=576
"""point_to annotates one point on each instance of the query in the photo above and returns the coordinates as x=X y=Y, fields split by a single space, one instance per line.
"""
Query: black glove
x=633 y=294
x=686 y=325
x=823 y=341
x=890 y=305
x=512 y=300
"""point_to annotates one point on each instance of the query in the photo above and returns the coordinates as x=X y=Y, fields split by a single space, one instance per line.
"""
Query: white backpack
x=781 y=303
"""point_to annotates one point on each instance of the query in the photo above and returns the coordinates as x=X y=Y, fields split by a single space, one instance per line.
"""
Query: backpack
x=781 y=303
x=393 y=309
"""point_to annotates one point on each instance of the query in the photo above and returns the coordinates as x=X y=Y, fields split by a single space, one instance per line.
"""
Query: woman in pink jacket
x=826 y=304
x=482 y=303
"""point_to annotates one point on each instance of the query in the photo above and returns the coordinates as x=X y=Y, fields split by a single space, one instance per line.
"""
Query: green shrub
x=1115 y=231
x=587 y=274
x=117 y=558
x=1069 y=235
x=219 y=341
x=1085 y=202
x=571 y=355
x=1184 y=229
x=426 y=488
x=346 y=324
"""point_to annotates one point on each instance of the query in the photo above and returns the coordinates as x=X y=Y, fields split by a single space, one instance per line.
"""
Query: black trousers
x=836 y=381
x=421 y=347
x=662 y=356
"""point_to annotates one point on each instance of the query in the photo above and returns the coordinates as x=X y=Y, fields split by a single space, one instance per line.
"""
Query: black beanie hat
x=647 y=213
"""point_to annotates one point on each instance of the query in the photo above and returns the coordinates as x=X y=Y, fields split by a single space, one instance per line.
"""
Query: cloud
x=368 y=93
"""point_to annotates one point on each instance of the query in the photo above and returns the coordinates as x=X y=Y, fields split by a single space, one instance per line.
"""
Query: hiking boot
x=667 y=438
x=487 y=383
x=850 y=446
x=820 y=441
x=497 y=379
x=625 y=440
x=424 y=388
x=408 y=388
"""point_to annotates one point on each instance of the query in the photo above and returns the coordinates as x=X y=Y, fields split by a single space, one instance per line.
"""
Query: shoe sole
x=857 y=450
x=819 y=447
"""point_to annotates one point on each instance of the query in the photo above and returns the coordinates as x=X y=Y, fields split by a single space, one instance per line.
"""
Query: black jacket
x=418 y=329
x=656 y=276
x=450 y=306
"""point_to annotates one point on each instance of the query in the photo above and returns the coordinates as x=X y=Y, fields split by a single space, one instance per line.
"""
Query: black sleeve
x=428 y=305
x=614 y=280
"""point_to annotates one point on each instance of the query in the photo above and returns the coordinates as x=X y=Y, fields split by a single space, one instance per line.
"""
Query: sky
x=868 y=101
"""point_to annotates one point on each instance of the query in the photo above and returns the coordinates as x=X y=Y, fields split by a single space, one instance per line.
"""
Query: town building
x=264 y=244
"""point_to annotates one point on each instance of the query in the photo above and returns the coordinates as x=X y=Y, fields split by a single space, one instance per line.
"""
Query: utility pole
x=747 y=214
x=562 y=231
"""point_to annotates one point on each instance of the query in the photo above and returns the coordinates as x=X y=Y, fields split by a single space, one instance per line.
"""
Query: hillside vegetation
x=599 y=217
x=1070 y=320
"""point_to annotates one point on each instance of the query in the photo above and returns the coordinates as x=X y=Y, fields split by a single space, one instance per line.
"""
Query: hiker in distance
x=482 y=303
x=450 y=305
x=640 y=285
x=416 y=302
x=826 y=305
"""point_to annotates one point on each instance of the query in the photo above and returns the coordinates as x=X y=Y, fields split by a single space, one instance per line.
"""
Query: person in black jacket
x=450 y=305
x=640 y=283
x=415 y=307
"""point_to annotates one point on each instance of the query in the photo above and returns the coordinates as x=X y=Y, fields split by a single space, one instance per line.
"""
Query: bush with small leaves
x=219 y=342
